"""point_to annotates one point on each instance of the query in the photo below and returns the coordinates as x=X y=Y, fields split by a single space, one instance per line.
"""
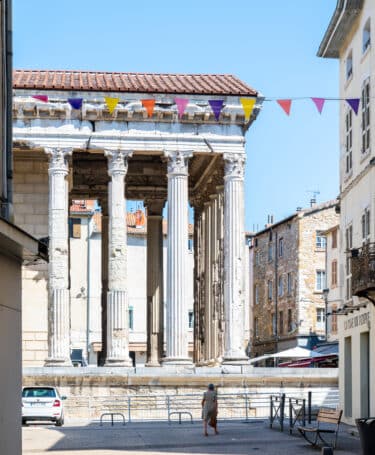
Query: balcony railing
x=363 y=270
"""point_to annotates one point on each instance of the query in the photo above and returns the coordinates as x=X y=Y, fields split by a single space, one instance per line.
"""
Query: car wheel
x=60 y=421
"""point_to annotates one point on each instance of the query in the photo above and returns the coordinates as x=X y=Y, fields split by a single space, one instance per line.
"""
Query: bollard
x=309 y=406
x=327 y=451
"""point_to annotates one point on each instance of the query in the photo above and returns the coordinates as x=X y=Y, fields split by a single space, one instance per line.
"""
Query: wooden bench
x=332 y=417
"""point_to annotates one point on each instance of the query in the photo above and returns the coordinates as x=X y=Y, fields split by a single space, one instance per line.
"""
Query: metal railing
x=245 y=406
x=363 y=268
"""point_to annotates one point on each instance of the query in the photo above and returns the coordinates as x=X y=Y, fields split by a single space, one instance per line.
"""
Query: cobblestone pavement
x=84 y=438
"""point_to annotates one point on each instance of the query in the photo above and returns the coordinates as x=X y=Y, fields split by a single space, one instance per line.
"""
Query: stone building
x=85 y=229
x=288 y=279
x=349 y=38
x=162 y=157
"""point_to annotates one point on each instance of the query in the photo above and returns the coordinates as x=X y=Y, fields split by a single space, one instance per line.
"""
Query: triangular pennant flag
x=76 y=103
x=181 y=105
x=248 y=106
x=286 y=105
x=216 y=106
x=354 y=104
x=43 y=98
x=111 y=103
x=149 y=105
x=319 y=103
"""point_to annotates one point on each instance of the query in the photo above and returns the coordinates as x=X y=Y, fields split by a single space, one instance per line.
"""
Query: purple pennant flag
x=319 y=103
x=216 y=106
x=354 y=104
x=76 y=103
x=181 y=105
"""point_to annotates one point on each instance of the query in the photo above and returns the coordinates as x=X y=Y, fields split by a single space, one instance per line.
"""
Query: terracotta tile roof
x=192 y=84
x=82 y=206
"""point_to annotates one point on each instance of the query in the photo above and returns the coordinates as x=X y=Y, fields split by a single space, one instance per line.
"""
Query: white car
x=42 y=403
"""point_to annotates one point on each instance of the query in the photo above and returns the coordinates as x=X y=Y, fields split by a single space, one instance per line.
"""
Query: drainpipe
x=277 y=291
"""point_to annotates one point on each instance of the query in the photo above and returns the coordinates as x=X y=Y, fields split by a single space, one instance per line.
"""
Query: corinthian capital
x=234 y=165
x=178 y=162
x=58 y=159
x=117 y=161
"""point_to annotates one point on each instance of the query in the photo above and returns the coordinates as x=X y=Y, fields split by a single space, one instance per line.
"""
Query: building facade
x=288 y=278
x=349 y=38
x=161 y=157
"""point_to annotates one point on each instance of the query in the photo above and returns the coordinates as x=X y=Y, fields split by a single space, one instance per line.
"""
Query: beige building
x=286 y=302
x=349 y=38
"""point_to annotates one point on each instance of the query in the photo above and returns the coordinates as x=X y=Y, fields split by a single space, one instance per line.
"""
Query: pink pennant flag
x=181 y=105
x=43 y=98
x=285 y=105
x=319 y=103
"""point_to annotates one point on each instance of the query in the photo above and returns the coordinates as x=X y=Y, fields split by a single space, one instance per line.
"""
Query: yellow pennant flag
x=111 y=103
x=248 y=106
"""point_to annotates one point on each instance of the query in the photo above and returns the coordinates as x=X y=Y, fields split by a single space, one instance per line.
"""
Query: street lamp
x=325 y=296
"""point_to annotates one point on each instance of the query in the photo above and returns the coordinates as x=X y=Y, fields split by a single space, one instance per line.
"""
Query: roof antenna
x=314 y=194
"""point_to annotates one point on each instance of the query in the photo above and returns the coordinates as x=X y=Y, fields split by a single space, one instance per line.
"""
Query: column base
x=176 y=361
x=237 y=360
x=152 y=364
x=58 y=362
x=119 y=363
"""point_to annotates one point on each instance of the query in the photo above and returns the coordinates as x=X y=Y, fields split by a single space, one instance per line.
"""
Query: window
x=348 y=141
x=320 y=280
x=131 y=318
x=290 y=320
x=349 y=238
x=280 y=286
x=274 y=324
x=269 y=288
x=257 y=258
x=334 y=238
x=365 y=222
x=281 y=247
x=191 y=319
x=281 y=322
x=321 y=241
x=289 y=283
x=348 y=288
x=256 y=327
x=349 y=65
x=320 y=317
x=365 y=103
x=190 y=244
x=256 y=242
x=256 y=294
x=334 y=273
x=366 y=36
x=270 y=252
x=75 y=228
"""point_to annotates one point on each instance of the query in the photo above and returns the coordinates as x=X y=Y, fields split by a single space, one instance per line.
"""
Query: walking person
x=209 y=409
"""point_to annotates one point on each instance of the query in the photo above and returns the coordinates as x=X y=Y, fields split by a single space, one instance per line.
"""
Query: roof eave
x=343 y=18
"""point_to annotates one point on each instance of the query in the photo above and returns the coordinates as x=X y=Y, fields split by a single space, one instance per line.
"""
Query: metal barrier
x=277 y=409
x=179 y=413
x=245 y=406
x=297 y=412
x=112 y=414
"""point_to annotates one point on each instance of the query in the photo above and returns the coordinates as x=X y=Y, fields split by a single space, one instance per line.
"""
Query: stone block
x=41 y=209
x=26 y=188
x=41 y=356
x=23 y=166
x=36 y=219
x=41 y=188
x=18 y=198
x=36 y=178
x=28 y=355
x=25 y=209
x=42 y=336
x=37 y=345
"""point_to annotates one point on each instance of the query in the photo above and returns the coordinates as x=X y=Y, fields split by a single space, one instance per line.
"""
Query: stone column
x=177 y=308
x=208 y=282
x=58 y=266
x=155 y=310
x=234 y=238
x=104 y=269
x=117 y=298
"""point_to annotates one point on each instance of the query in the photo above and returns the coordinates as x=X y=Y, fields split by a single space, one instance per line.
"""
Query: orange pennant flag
x=111 y=103
x=286 y=105
x=149 y=105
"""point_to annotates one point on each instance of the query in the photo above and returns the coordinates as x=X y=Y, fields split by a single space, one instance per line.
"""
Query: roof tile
x=189 y=84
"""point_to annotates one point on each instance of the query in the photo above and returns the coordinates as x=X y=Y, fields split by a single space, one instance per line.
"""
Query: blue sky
x=270 y=44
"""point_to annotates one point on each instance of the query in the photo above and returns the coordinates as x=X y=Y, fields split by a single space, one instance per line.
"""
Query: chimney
x=312 y=201
x=298 y=209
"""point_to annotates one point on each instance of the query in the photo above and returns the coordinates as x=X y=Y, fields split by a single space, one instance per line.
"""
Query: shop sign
x=357 y=321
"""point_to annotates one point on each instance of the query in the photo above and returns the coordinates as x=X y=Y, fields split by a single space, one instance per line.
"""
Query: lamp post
x=325 y=296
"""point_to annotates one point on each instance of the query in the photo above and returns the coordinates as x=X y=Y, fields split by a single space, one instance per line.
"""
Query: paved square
x=155 y=438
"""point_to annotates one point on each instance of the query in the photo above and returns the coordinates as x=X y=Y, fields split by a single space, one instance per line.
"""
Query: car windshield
x=32 y=392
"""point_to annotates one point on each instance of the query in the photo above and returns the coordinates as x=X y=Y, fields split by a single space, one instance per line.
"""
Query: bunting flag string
x=248 y=104
x=319 y=103
x=111 y=103
x=149 y=105
x=216 y=106
x=76 y=103
x=285 y=105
